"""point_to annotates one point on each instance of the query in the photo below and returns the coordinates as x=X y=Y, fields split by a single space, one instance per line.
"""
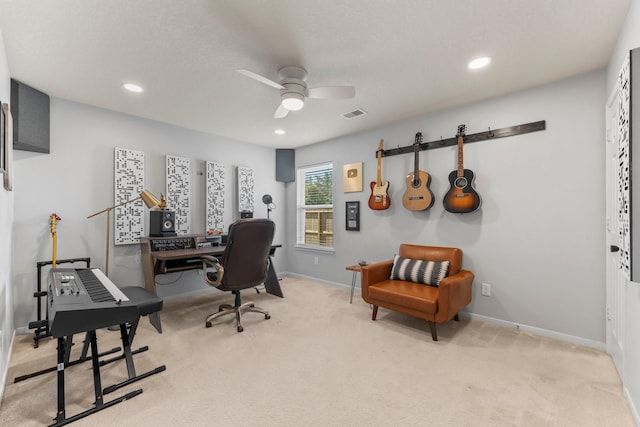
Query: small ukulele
x=461 y=197
x=418 y=195
x=379 y=199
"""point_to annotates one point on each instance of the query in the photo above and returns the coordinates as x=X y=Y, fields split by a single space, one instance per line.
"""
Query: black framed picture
x=352 y=210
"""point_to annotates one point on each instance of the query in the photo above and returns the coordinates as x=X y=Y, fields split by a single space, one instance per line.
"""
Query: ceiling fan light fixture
x=292 y=101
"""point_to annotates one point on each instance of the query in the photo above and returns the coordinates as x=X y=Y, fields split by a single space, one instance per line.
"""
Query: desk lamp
x=149 y=200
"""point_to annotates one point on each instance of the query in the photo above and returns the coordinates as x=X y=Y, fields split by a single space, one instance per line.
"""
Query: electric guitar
x=418 y=195
x=379 y=199
x=461 y=197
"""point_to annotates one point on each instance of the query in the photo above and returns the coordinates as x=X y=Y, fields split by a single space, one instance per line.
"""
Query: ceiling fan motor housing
x=295 y=89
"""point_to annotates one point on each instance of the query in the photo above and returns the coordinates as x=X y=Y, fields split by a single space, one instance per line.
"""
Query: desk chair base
x=237 y=309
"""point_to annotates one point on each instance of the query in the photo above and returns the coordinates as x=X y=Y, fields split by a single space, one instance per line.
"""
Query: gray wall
x=76 y=180
x=538 y=238
x=629 y=39
x=6 y=257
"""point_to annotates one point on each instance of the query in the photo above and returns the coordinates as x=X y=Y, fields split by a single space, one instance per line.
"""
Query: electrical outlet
x=486 y=289
x=315 y=260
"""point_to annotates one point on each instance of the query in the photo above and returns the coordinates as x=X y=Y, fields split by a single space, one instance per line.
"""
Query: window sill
x=315 y=248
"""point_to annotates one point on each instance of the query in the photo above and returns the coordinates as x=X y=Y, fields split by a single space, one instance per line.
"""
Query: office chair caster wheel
x=267 y=316
x=207 y=325
x=240 y=328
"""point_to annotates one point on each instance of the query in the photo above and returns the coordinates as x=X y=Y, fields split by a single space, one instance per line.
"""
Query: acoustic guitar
x=379 y=199
x=418 y=195
x=461 y=197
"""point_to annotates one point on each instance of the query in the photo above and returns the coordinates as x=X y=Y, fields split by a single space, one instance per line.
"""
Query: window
x=315 y=206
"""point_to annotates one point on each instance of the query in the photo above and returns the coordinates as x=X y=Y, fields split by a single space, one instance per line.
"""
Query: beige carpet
x=320 y=361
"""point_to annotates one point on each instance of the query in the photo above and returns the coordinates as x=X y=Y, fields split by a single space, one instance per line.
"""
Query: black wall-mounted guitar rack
x=475 y=137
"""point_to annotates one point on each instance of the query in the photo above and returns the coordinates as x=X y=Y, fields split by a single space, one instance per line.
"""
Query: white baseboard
x=538 y=331
x=632 y=406
x=22 y=330
x=3 y=375
x=315 y=279
x=507 y=324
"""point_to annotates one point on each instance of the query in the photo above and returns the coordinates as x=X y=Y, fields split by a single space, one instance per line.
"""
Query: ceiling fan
x=294 y=91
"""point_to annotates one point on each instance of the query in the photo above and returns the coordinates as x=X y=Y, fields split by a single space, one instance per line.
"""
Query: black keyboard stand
x=64 y=352
x=127 y=332
x=83 y=357
x=61 y=416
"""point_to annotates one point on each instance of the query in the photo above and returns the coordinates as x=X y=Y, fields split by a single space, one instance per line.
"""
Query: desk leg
x=271 y=284
x=148 y=268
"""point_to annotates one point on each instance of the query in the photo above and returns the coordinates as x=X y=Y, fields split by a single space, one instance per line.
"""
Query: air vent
x=355 y=113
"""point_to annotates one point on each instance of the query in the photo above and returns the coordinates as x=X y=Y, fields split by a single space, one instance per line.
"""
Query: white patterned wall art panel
x=179 y=191
x=214 y=197
x=128 y=184
x=624 y=183
x=245 y=189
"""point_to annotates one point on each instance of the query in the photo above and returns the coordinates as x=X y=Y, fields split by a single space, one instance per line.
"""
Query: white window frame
x=302 y=207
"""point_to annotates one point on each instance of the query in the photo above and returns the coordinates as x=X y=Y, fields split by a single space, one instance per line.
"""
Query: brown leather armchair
x=434 y=304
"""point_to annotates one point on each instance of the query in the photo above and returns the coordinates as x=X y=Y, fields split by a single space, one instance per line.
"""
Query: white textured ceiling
x=405 y=58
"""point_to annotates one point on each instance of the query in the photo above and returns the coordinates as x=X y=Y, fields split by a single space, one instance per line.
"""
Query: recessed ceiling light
x=132 y=87
x=279 y=131
x=477 y=63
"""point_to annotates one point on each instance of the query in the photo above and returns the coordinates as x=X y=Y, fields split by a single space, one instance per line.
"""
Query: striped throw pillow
x=424 y=272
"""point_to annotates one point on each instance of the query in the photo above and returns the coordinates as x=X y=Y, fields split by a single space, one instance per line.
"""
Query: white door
x=615 y=276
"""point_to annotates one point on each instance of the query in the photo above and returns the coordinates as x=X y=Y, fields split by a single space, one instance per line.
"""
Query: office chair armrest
x=212 y=279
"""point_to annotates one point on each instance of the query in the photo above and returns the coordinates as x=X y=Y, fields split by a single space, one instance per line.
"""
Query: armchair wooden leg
x=434 y=333
x=375 y=312
x=456 y=317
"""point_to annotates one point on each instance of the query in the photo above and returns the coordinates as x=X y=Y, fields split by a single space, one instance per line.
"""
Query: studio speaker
x=285 y=165
x=162 y=223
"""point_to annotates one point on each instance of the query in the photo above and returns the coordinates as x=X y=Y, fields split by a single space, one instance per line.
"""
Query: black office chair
x=243 y=265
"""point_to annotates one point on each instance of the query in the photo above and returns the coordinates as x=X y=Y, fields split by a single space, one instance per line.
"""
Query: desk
x=155 y=262
x=356 y=269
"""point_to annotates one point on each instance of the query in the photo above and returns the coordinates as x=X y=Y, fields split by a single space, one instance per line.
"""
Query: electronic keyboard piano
x=81 y=300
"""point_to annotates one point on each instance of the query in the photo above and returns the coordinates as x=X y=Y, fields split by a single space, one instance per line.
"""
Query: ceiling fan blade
x=281 y=112
x=261 y=79
x=332 y=92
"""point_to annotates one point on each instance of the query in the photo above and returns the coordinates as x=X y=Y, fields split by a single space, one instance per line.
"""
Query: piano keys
x=81 y=300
